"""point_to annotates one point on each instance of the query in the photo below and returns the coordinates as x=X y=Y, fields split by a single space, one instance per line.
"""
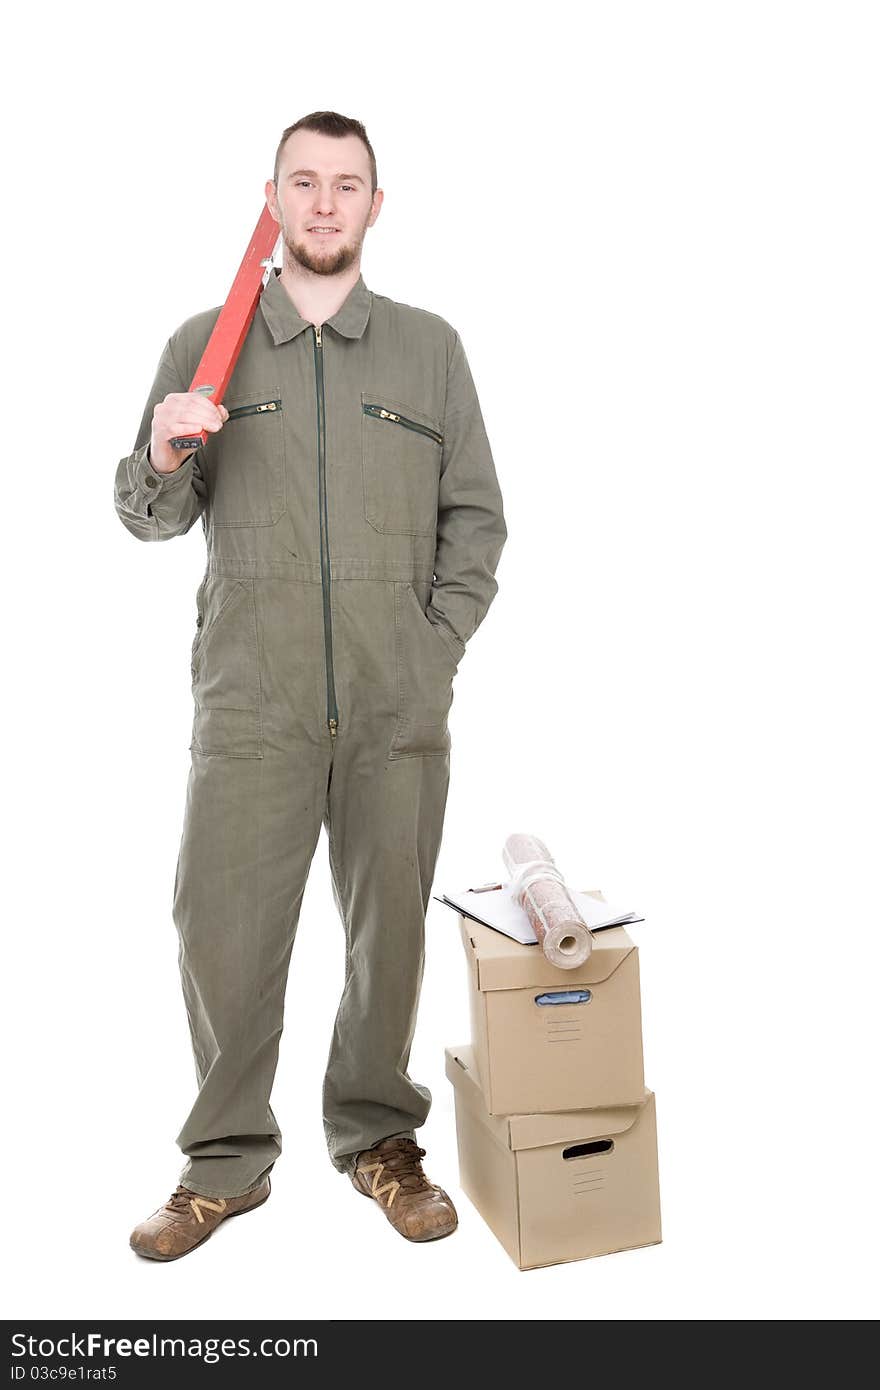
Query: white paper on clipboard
x=493 y=905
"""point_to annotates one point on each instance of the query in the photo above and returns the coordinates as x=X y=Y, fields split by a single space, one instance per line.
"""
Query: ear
x=272 y=200
x=378 y=197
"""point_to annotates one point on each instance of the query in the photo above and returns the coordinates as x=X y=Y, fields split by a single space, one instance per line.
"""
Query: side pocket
x=200 y=620
x=226 y=670
x=425 y=672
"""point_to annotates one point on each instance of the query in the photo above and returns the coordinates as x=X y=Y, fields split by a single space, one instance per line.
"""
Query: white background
x=655 y=227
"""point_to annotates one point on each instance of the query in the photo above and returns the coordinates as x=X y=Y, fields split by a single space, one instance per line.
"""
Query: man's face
x=323 y=182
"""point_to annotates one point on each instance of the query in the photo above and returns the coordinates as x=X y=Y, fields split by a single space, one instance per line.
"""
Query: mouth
x=323 y=231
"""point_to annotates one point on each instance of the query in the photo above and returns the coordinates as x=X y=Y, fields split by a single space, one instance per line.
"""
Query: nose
x=324 y=203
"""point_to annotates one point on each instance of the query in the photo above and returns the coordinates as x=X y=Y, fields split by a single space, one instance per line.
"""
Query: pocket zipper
x=378 y=412
x=254 y=409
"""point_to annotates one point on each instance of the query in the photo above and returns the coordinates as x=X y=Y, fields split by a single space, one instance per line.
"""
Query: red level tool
x=234 y=320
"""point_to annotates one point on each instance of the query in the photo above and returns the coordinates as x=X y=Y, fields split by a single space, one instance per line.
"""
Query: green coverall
x=354 y=524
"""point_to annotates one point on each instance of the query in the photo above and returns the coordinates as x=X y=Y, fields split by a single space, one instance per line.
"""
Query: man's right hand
x=181 y=413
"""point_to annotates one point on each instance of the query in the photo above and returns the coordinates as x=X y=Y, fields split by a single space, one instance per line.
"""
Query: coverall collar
x=285 y=322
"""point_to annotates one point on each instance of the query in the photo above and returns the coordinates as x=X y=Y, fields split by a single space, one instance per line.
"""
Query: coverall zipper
x=332 y=711
x=254 y=409
x=380 y=413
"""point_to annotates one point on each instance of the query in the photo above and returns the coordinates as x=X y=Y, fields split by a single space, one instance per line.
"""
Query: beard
x=323 y=264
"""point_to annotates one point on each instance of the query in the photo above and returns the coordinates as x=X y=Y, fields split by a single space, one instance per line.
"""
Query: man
x=354 y=524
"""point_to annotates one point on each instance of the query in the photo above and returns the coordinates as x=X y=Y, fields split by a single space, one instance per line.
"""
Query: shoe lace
x=403 y=1162
x=182 y=1199
x=179 y=1199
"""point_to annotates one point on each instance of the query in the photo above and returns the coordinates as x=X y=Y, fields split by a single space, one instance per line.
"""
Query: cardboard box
x=557 y=1187
x=535 y=1053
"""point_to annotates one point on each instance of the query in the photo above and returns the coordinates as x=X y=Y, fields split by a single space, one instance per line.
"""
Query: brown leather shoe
x=188 y=1219
x=391 y=1173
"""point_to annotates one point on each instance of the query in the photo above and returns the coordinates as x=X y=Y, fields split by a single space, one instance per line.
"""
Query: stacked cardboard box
x=557 y=1135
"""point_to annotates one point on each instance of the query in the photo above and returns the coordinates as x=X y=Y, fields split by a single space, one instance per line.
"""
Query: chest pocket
x=245 y=463
x=402 y=453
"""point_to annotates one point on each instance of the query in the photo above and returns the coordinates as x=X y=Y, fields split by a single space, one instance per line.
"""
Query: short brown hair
x=328 y=123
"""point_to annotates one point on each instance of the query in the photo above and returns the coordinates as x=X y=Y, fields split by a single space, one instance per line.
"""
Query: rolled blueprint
x=539 y=888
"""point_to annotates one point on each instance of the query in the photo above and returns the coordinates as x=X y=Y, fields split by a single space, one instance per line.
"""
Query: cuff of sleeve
x=151 y=482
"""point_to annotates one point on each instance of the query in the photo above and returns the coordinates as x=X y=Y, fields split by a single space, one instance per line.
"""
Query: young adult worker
x=354 y=524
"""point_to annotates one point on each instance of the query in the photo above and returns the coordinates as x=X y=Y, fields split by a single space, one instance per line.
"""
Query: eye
x=300 y=183
x=349 y=185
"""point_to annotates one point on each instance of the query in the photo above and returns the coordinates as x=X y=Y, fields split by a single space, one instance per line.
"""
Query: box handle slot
x=597 y=1146
x=565 y=996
